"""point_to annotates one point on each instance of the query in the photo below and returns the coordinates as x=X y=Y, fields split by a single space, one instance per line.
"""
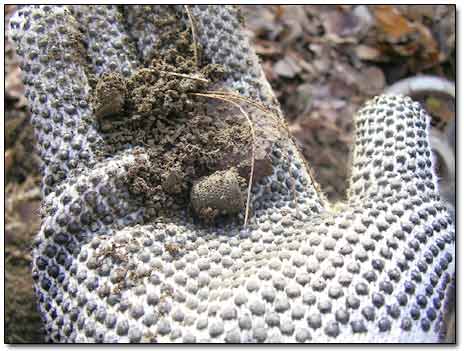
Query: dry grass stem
x=252 y=102
x=236 y=96
x=194 y=36
x=185 y=76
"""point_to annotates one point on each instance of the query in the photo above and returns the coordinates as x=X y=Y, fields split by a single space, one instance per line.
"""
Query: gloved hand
x=378 y=268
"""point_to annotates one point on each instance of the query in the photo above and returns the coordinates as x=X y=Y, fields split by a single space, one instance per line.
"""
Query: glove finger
x=392 y=154
x=223 y=41
x=108 y=45
x=55 y=77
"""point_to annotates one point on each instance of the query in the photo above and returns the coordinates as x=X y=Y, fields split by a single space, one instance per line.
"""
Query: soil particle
x=173 y=181
x=110 y=95
x=156 y=93
x=220 y=193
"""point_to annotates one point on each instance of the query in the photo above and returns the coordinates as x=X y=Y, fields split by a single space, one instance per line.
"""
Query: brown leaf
x=368 y=53
x=269 y=72
x=439 y=108
x=9 y=159
x=14 y=88
x=260 y=20
x=287 y=67
x=340 y=24
x=390 y=20
x=296 y=23
x=407 y=38
x=418 y=12
x=267 y=48
x=372 y=81
x=279 y=11
x=428 y=43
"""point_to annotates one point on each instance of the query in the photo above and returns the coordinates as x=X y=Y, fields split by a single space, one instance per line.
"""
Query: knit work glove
x=121 y=259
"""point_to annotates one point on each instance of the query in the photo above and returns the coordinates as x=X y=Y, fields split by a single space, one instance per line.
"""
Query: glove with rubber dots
x=150 y=122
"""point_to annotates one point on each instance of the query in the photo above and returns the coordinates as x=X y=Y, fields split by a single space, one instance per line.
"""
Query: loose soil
x=189 y=139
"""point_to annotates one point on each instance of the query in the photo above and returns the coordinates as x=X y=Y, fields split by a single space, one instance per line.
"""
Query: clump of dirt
x=219 y=193
x=189 y=139
x=185 y=151
x=109 y=96
x=163 y=89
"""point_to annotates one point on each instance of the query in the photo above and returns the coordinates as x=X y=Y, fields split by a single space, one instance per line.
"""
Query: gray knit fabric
x=378 y=268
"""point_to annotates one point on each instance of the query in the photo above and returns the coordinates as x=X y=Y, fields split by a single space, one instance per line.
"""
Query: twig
x=185 y=76
x=253 y=149
x=194 y=36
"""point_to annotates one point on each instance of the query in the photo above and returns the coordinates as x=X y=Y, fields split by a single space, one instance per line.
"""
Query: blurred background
x=323 y=62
